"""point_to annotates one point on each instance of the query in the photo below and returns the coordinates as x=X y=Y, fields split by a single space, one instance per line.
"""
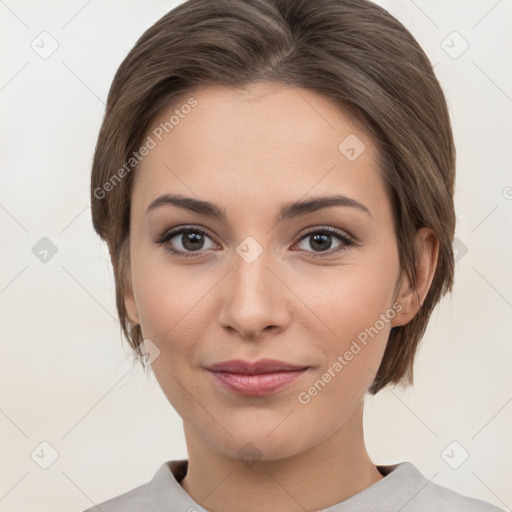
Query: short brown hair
x=351 y=51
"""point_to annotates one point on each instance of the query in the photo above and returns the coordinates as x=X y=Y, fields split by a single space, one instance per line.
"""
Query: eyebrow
x=287 y=211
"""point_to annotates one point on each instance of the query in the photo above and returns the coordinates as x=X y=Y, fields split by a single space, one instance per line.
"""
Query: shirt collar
x=165 y=489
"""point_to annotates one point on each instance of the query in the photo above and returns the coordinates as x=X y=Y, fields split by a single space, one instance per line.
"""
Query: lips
x=262 y=366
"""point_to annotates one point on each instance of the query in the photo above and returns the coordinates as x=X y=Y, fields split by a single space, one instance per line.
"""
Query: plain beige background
x=69 y=398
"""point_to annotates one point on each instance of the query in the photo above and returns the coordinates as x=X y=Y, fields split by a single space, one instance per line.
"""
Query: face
x=314 y=287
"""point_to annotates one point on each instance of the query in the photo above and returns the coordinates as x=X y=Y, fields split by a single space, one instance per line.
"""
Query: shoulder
x=421 y=495
x=438 y=498
x=163 y=489
x=130 y=501
x=134 y=500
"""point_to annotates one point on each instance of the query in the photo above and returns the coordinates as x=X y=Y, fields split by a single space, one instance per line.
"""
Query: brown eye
x=320 y=240
x=184 y=241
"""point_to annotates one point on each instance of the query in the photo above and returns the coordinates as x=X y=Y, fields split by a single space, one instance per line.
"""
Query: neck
x=317 y=478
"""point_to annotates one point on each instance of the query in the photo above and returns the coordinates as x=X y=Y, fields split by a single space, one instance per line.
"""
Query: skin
x=250 y=151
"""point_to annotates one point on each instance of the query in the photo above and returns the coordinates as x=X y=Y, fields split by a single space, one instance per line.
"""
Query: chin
x=250 y=448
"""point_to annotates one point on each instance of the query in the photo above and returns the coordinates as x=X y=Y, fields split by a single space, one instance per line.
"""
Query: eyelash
x=346 y=242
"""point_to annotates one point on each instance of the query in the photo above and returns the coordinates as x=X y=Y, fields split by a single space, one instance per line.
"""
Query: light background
x=66 y=377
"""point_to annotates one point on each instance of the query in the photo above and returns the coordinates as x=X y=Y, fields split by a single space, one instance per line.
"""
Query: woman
x=239 y=138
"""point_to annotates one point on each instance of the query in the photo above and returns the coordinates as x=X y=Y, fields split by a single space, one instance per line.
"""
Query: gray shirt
x=403 y=489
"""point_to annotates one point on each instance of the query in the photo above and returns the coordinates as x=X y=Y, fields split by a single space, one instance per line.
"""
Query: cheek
x=174 y=319
x=352 y=354
x=167 y=294
x=348 y=299
x=352 y=315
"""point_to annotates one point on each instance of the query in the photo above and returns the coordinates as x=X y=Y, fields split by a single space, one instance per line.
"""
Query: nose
x=254 y=299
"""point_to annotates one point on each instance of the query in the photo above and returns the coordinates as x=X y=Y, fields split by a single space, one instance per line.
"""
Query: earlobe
x=129 y=299
x=126 y=279
x=411 y=298
x=427 y=261
x=131 y=307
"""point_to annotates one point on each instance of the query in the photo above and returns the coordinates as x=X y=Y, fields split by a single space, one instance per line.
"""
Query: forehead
x=269 y=140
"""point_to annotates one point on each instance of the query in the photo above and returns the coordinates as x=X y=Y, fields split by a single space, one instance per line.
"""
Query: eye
x=188 y=239
x=320 y=240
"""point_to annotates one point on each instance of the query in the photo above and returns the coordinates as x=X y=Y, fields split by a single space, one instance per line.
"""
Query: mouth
x=262 y=366
x=262 y=377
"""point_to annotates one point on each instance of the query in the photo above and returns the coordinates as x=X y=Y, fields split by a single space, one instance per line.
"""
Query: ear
x=126 y=279
x=129 y=302
x=411 y=299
